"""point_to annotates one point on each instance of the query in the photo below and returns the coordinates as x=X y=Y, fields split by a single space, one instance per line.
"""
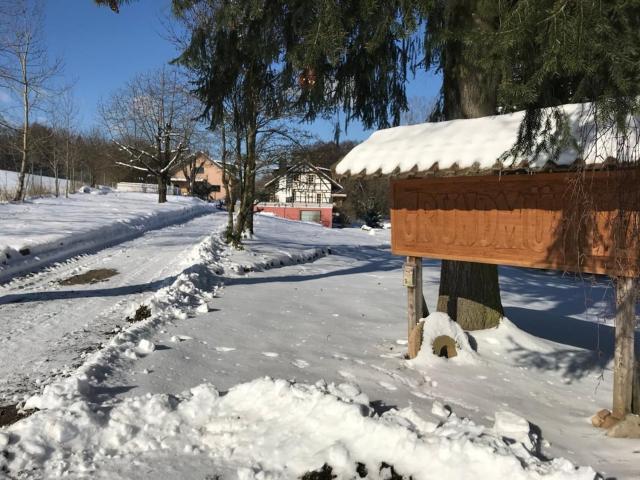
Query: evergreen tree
x=494 y=56
x=552 y=52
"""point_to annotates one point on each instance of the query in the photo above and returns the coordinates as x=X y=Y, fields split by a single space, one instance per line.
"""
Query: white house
x=303 y=192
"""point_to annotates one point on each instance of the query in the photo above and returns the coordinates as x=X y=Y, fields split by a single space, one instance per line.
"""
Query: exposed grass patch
x=92 y=276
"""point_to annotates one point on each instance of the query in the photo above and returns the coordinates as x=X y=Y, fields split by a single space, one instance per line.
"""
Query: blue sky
x=102 y=50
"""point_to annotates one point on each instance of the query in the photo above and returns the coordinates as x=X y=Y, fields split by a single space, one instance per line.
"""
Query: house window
x=319 y=197
x=215 y=188
x=199 y=170
x=296 y=177
x=311 y=179
x=310 y=216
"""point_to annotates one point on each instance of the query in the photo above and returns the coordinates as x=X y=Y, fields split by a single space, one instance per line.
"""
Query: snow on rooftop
x=477 y=142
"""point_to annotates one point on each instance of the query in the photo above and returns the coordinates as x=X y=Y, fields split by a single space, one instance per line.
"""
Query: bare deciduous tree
x=61 y=112
x=24 y=67
x=152 y=119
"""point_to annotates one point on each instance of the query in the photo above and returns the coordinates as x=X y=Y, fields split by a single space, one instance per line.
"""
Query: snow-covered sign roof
x=482 y=144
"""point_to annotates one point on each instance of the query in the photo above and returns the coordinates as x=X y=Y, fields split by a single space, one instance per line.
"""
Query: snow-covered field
x=9 y=180
x=276 y=360
x=46 y=230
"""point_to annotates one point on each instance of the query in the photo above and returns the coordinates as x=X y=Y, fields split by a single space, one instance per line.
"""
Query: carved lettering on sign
x=526 y=220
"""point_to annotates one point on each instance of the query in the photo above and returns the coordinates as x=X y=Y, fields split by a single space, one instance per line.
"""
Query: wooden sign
x=586 y=221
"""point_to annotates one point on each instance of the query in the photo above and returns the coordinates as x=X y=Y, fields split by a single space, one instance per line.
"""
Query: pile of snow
x=270 y=429
x=99 y=190
x=48 y=230
x=511 y=426
x=237 y=263
x=438 y=324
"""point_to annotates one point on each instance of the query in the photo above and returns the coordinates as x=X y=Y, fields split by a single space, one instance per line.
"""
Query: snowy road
x=46 y=328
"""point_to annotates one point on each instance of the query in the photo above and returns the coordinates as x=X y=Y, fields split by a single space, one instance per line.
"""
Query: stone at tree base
x=609 y=422
x=415 y=340
x=598 y=419
x=628 y=427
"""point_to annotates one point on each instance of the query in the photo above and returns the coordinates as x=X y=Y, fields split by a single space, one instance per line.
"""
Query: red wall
x=293 y=213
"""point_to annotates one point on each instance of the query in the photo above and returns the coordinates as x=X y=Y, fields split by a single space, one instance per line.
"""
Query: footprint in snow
x=387 y=386
x=300 y=363
x=270 y=354
x=225 y=349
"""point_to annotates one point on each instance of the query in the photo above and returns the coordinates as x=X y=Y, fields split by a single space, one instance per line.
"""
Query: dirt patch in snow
x=326 y=472
x=142 y=312
x=91 y=276
x=10 y=414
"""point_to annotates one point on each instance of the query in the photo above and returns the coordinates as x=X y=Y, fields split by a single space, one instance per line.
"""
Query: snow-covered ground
x=41 y=231
x=9 y=181
x=276 y=360
x=47 y=328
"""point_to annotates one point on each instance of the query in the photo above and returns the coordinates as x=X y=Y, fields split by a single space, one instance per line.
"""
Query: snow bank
x=271 y=429
x=242 y=262
x=48 y=230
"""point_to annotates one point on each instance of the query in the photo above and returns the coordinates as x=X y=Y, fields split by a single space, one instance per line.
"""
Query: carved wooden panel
x=585 y=222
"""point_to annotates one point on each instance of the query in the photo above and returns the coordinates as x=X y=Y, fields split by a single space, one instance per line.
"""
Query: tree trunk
x=624 y=355
x=635 y=397
x=192 y=183
x=25 y=146
x=67 y=167
x=251 y=187
x=469 y=292
x=226 y=182
x=57 y=181
x=162 y=189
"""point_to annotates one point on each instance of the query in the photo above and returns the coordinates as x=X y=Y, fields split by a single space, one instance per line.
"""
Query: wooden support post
x=413 y=282
x=624 y=359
